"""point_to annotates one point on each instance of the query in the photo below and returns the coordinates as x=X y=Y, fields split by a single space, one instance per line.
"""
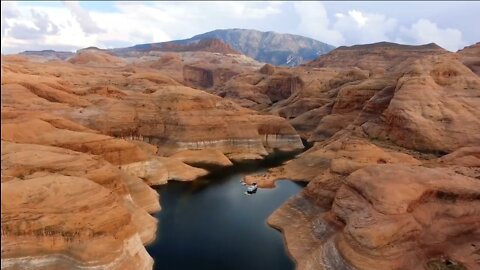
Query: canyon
x=391 y=167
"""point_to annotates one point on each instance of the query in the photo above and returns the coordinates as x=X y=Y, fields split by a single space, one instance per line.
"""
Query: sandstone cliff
x=393 y=173
x=83 y=140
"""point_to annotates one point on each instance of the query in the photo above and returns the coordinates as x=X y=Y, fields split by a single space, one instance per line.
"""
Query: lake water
x=211 y=224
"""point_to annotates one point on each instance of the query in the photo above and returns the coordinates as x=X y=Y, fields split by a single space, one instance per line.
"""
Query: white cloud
x=8 y=11
x=349 y=28
x=31 y=25
x=358 y=27
x=358 y=17
x=83 y=18
x=425 y=31
x=68 y=34
x=128 y=24
x=314 y=22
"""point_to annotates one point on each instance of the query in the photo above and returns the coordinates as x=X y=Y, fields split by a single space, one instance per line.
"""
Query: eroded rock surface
x=386 y=217
x=82 y=141
x=393 y=176
x=58 y=222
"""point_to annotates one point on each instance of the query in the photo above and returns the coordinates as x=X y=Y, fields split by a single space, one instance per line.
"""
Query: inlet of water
x=211 y=224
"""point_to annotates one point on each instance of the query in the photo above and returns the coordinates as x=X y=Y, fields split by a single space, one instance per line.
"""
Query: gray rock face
x=269 y=47
x=50 y=54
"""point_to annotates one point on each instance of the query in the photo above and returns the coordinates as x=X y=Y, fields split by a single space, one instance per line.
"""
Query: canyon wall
x=83 y=141
x=393 y=175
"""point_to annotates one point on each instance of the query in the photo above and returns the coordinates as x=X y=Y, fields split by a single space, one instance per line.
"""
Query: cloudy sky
x=72 y=25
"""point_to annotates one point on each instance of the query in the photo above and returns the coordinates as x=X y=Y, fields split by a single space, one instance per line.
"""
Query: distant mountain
x=392 y=46
x=50 y=54
x=269 y=47
x=206 y=45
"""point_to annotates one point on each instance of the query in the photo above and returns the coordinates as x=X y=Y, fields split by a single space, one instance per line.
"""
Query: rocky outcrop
x=465 y=156
x=37 y=131
x=96 y=58
x=470 y=57
x=46 y=180
x=334 y=88
x=267 y=69
x=79 y=141
x=171 y=116
x=428 y=216
x=205 y=75
x=261 y=89
x=197 y=76
x=167 y=118
x=157 y=171
x=441 y=117
x=58 y=222
x=59 y=178
x=291 y=93
x=393 y=172
x=177 y=113
x=385 y=103
x=183 y=65
x=325 y=165
x=392 y=175
x=376 y=57
x=205 y=157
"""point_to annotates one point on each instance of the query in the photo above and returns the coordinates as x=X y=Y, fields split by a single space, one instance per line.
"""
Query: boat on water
x=252 y=188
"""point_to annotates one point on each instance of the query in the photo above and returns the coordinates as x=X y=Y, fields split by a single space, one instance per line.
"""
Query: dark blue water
x=211 y=224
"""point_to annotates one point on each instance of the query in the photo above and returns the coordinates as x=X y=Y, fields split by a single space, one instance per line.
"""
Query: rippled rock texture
x=82 y=142
x=393 y=175
x=386 y=217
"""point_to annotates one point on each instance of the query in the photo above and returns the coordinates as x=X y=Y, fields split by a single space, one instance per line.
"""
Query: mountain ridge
x=270 y=47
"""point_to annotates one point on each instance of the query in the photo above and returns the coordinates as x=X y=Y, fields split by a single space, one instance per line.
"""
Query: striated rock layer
x=83 y=140
x=58 y=222
x=393 y=172
x=165 y=114
x=54 y=202
x=428 y=214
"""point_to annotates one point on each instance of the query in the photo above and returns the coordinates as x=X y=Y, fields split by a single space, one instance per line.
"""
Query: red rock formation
x=465 y=156
x=267 y=69
x=197 y=76
x=470 y=57
x=203 y=157
x=442 y=116
x=96 y=58
x=324 y=164
x=376 y=57
x=378 y=197
x=53 y=176
x=79 y=141
x=176 y=110
x=56 y=221
x=427 y=216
